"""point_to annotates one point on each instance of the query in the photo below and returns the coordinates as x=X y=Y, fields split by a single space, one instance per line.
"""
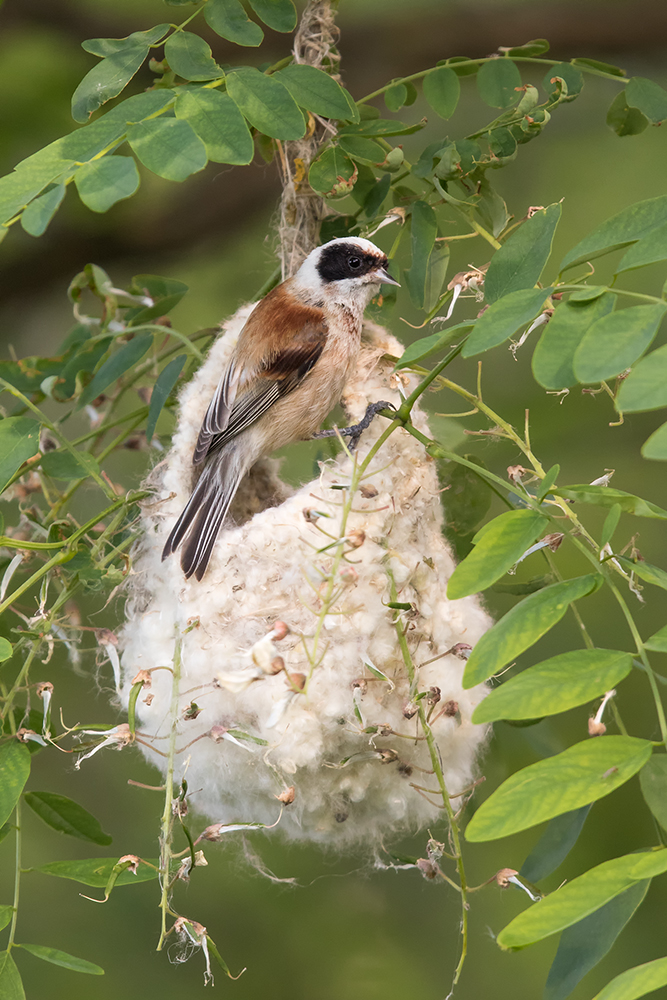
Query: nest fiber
x=315 y=726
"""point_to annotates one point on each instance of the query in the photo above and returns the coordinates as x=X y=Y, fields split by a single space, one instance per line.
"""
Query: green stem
x=17 y=877
x=437 y=768
x=478 y=62
x=641 y=652
x=168 y=815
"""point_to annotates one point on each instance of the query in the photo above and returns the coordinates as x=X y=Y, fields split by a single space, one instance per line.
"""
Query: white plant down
x=325 y=730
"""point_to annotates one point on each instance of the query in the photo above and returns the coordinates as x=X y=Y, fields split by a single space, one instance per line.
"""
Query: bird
x=291 y=362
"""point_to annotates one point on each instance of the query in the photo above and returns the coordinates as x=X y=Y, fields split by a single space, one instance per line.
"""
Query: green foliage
x=521 y=627
x=556 y=685
x=579 y=775
x=558 y=839
x=97 y=872
x=121 y=348
x=57 y=957
x=66 y=816
x=585 y=943
x=637 y=982
x=498 y=546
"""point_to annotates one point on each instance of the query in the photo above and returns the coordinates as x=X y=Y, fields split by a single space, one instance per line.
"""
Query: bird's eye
x=354 y=262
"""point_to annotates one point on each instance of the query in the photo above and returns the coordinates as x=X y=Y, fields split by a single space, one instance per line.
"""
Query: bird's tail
x=204 y=513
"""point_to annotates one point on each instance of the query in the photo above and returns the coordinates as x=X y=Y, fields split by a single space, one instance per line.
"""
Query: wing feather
x=218 y=412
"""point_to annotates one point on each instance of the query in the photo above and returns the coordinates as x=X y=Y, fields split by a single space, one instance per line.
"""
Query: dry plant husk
x=350 y=785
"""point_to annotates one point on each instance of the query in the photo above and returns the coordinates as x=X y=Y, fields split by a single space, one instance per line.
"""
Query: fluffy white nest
x=336 y=744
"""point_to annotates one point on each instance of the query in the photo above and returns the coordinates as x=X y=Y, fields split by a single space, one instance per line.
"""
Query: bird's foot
x=355 y=431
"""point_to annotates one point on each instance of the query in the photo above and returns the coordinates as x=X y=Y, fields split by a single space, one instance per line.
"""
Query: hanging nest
x=295 y=701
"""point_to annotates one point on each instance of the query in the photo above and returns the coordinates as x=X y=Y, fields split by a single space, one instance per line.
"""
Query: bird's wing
x=218 y=412
x=280 y=376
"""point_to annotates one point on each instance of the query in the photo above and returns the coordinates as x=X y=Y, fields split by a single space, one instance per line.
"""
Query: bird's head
x=346 y=270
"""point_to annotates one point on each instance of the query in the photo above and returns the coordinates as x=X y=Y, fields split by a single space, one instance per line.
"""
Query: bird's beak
x=385 y=278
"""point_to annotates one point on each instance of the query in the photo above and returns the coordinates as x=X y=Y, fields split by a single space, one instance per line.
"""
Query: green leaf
x=603 y=67
x=365 y=150
x=605 y=496
x=504 y=318
x=658 y=642
x=165 y=292
x=646 y=572
x=649 y=97
x=655 y=447
x=190 y=56
x=553 y=358
x=586 y=943
x=278 y=14
x=381 y=126
x=504 y=541
x=536 y=47
x=112 y=46
x=266 y=103
x=490 y=208
x=610 y=525
x=442 y=91
x=104 y=182
x=637 y=982
x=555 y=685
x=628 y=226
x=169 y=147
x=20 y=187
x=218 y=123
x=57 y=957
x=316 y=91
x=229 y=20
x=62 y=464
x=424 y=229
x=96 y=872
x=66 y=816
x=376 y=197
x=583 y=895
x=331 y=173
x=625 y=120
x=646 y=386
x=396 y=97
x=166 y=381
x=653 y=783
x=614 y=342
x=497 y=82
x=566 y=71
x=430 y=345
x=6 y=649
x=502 y=143
x=587 y=293
x=19 y=441
x=520 y=261
x=122 y=361
x=554 y=845
x=522 y=626
x=11 y=987
x=6 y=914
x=14 y=771
x=649 y=250
x=37 y=215
x=107 y=79
x=436 y=272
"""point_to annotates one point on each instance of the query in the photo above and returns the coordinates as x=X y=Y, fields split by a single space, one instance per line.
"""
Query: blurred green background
x=346 y=930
